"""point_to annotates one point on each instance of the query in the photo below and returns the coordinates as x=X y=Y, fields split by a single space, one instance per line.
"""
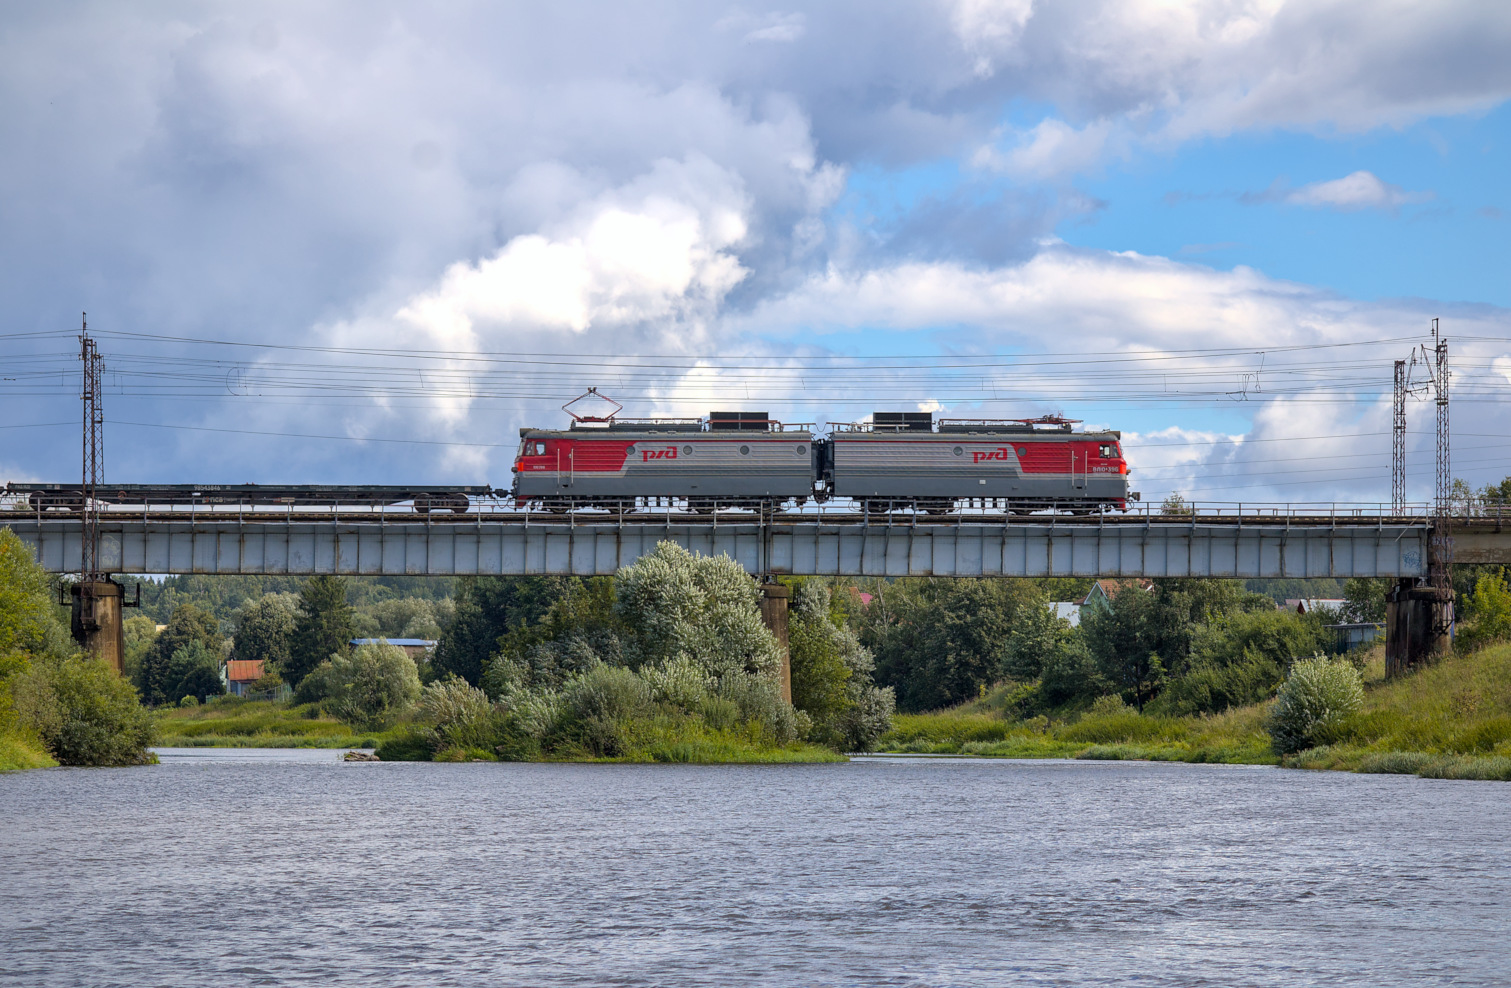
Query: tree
x=1364 y=599
x=195 y=672
x=406 y=617
x=939 y=642
x=706 y=609
x=51 y=697
x=29 y=620
x=1035 y=634
x=1489 y=612
x=265 y=630
x=366 y=685
x=1174 y=504
x=188 y=624
x=831 y=673
x=85 y=713
x=1126 y=640
x=1239 y=660
x=323 y=627
x=487 y=608
x=1496 y=498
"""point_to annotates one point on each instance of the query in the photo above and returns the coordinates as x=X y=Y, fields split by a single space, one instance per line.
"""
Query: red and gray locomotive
x=896 y=461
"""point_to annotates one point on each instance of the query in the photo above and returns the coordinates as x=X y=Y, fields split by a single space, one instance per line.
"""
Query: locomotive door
x=1078 y=481
x=563 y=479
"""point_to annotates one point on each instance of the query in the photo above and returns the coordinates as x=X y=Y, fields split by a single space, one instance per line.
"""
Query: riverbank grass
x=230 y=722
x=1451 y=720
x=18 y=754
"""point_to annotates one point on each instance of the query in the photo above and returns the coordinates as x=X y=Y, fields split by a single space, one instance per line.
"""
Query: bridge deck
x=301 y=542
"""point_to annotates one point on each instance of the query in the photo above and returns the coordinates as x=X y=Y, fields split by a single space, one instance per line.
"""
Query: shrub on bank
x=85 y=714
x=1316 y=696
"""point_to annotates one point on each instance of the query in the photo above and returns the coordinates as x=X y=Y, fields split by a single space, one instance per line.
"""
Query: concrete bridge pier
x=96 y=622
x=1417 y=626
x=774 y=598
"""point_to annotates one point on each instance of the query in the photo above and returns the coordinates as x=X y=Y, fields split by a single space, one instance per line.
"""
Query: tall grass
x=1451 y=720
x=17 y=753
x=255 y=724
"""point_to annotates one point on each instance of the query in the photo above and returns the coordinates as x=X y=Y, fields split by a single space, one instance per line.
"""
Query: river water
x=271 y=868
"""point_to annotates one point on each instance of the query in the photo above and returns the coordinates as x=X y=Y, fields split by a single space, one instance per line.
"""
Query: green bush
x=1489 y=613
x=366 y=686
x=461 y=715
x=85 y=714
x=408 y=746
x=1317 y=695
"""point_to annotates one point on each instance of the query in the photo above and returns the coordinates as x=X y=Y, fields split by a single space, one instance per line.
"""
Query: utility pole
x=1441 y=563
x=93 y=455
x=1419 y=619
x=97 y=599
x=1398 y=442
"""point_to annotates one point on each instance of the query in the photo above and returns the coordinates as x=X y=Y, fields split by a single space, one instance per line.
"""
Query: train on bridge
x=895 y=461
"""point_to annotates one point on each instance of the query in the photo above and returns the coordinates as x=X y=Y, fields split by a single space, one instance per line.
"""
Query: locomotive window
x=801 y=449
x=630 y=449
x=687 y=451
x=1109 y=451
x=744 y=450
x=1022 y=450
x=958 y=451
x=535 y=448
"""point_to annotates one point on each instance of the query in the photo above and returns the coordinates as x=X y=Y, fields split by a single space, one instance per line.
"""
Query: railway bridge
x=1226 y=541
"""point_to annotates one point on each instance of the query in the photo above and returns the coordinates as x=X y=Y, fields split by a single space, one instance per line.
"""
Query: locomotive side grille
x=902 y=422
x=739 y=422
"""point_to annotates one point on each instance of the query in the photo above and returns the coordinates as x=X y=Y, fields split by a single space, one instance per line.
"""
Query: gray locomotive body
x=1022 y=464
x=739 y=461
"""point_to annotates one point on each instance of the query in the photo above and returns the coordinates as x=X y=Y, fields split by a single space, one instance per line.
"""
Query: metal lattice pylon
x=1442 y=537
x=93 y=454
x=1398 y=442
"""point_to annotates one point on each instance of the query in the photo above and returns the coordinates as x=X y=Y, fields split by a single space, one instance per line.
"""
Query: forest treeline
x=544 y=656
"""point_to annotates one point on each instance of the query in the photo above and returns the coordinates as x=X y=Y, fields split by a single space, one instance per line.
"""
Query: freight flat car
x=41 y=497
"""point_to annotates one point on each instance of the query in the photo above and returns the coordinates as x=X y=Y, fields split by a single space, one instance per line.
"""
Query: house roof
x=1306 y=605
x=412 y=642
x=1111 y=588
x=244 y=670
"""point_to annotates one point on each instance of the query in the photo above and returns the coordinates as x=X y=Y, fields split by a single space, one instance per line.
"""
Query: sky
x=367 y=242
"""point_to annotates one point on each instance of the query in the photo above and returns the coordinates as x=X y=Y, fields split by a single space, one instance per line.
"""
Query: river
x=272 y=868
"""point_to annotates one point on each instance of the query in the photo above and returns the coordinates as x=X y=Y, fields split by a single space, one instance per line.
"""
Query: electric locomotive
x=740 y=459
x=900 y=459
x=896 y=461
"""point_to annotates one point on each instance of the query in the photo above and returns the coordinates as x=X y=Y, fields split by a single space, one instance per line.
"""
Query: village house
x=240 y=674
x=418 y=649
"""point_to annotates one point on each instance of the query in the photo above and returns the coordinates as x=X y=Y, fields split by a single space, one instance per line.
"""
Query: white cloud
x=1360 y=190
x=496 y=177
x=1052 y=148
x=782 y=28
x=1163 y=73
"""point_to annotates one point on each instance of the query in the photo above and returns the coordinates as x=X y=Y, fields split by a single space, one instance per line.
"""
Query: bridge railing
x=1212 y=512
